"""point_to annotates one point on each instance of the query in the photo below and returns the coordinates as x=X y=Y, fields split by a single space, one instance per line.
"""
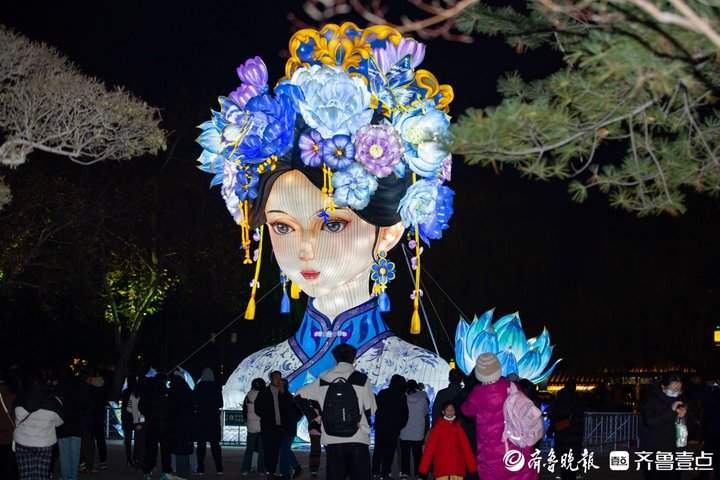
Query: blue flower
x=353 y=187
x=426 y=138
x=433 y=227
x=338 y=152
x=333 y=102
x=267 y=128
x=247 y=184
x=418 y=205
x=250 y=131
x=383 y=270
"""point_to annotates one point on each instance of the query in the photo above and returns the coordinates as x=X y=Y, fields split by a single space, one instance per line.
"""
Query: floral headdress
x=358 y=109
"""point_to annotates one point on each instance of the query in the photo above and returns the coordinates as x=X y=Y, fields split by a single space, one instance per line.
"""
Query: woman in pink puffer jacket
x=485 y=405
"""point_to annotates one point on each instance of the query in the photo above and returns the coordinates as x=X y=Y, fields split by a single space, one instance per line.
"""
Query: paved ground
x=232 y=457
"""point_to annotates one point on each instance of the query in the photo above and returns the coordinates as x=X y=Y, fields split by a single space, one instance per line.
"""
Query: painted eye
x=335 y=226
x=282 y=228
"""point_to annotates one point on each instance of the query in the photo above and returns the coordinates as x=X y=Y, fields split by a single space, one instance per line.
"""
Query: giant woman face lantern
x=329 y=258
x=347 y=154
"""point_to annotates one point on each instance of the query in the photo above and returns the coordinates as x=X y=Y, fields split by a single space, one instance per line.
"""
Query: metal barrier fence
x=611 y=431
x=603 y=431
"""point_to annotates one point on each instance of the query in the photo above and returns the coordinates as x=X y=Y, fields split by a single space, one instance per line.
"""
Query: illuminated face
x=320 y=257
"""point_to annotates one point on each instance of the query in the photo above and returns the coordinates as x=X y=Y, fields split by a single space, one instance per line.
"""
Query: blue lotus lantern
x=528 y=358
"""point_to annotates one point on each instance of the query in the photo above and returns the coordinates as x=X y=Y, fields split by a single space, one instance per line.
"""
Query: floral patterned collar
x=361 y=326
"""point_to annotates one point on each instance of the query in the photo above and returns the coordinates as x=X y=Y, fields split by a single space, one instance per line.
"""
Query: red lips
x=310 y=274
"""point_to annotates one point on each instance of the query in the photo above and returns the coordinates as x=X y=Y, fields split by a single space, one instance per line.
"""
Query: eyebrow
x=276 y=211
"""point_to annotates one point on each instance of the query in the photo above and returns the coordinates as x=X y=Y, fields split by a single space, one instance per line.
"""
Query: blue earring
x=382 y=273
x=285 y=302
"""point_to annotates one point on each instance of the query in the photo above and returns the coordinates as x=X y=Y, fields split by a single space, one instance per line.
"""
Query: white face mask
x=449 y=419
x=671 y=393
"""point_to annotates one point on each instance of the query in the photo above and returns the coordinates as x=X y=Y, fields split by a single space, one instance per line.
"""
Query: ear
x=388 y=237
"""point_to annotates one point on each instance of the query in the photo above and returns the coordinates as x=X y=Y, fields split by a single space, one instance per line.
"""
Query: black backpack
x=341 y=413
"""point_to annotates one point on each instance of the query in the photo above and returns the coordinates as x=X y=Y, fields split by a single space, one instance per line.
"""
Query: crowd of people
x=47 y=418
x=463 y=433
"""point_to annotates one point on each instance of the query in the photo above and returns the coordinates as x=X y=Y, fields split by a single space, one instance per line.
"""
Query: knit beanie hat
x=487 y=368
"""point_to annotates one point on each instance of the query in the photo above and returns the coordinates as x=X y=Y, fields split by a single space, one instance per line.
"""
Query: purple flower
x=254 y=76
x=338 y=152
x=310 y=145
x=390 y=55
x=378 y=148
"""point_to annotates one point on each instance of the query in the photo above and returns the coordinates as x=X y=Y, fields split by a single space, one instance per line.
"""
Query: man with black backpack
x=347 y=401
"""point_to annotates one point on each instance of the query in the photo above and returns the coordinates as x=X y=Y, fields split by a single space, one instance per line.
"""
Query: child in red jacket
x=448 y=449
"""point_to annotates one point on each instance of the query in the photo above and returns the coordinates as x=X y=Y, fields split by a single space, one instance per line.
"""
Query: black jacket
x=657 y=421
x=265 y=409
x=181 y=416
x=208 y=402
x=392 y=412
x=568 y=409
x=154 y=404
x=74 y=398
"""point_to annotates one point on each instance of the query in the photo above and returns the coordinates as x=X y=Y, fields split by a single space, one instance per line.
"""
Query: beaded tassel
x=250 y=310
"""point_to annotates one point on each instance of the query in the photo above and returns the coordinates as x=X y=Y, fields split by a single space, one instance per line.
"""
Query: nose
x=307 y=249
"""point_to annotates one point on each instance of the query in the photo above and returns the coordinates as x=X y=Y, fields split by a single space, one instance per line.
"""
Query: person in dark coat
x=154 y=407
x=8 y=466
x=73 y=396
x=662 y=407
x=711 y=423
x=181 y=412
x=268 y=408
x=126 y=418
x=208 y=402
x=287 y=462
x=567 y=420
x=448 y=394
x=390 y=418
x=93 y=423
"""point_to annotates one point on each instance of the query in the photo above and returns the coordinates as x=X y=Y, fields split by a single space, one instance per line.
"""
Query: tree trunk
x=121 y=365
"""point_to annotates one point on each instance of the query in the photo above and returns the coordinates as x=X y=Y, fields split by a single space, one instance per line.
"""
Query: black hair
x=257 y=384
x=344 y=353
x=382 y=211
x=412 y=386
x=273 y=373
x=455 y=376
x=670 y=377
x=447 y=404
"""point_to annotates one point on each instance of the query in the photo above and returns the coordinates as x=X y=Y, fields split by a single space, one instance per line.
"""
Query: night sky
x=614 y=290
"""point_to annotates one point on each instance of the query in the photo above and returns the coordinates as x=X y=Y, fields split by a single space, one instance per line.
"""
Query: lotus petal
x=511 y=336
x=484 y=320
x=508 y=362
x=462 y=356
x=543 y=378
x=486 y=341
x=504 y=320
x=530 y=365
